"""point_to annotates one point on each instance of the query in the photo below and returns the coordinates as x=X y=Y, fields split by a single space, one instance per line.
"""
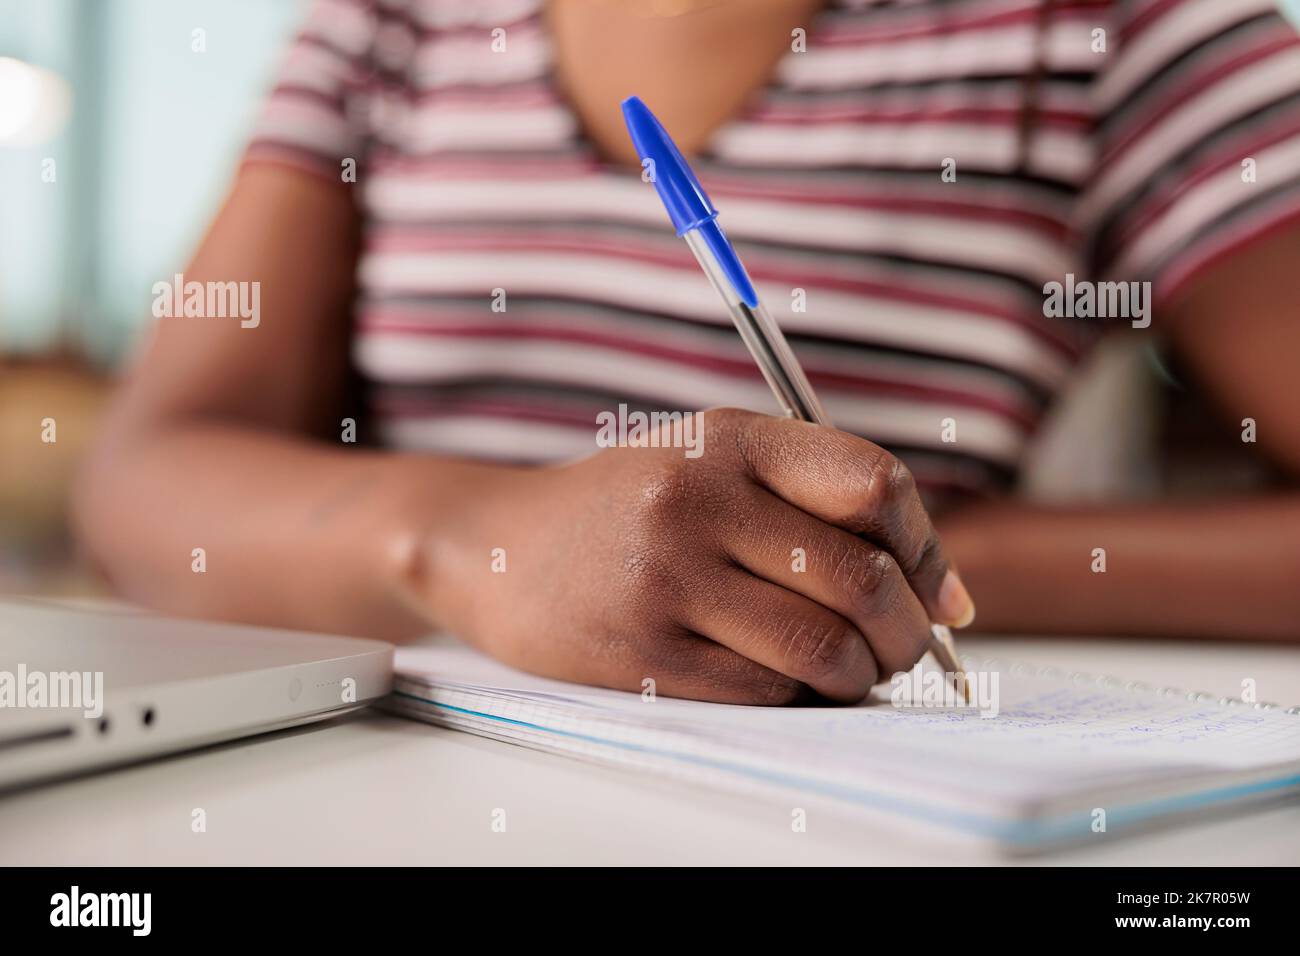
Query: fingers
x=855 y=485
x=786 y=633
x=839 y=571
x=694 y=666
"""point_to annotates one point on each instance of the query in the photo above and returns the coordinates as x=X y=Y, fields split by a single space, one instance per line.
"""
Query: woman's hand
x=786 y=558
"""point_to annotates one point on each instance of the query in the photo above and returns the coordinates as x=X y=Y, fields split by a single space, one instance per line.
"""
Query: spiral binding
x=1083 y=678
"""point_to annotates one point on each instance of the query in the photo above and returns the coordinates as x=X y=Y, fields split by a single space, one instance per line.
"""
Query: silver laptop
x=81 y=689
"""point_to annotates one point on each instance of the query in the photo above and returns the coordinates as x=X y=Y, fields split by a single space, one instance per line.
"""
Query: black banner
x=733 y=907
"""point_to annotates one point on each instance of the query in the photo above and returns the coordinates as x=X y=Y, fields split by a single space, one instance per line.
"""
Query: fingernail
x=955 y=606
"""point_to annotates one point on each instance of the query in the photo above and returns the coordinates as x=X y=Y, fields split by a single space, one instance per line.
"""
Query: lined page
x=1052 y=736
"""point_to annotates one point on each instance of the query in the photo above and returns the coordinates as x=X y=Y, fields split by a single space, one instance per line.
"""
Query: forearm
x=1215 y=569
x=293 y=533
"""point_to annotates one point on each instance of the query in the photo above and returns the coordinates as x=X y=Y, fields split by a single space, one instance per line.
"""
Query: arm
x=636 y=562
x=1226 y=568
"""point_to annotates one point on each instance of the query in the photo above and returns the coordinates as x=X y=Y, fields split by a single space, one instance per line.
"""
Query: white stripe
x=439 y=126
x=1235 y=96
x=343 y=24
x=453 y=14
x=470 y=58
x=400 y=197
x=402 y=358
x=481 y=437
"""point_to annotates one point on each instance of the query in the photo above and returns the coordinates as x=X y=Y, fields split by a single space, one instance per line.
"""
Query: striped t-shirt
x=901 y=192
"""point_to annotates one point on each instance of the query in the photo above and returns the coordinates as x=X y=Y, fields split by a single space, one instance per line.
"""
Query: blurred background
x=118 y=137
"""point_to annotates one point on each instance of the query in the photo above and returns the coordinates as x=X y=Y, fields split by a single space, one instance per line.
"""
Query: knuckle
x=819 y=649
x=658 y=495
x=892 y=482
x=872 y=578
x=878 y=499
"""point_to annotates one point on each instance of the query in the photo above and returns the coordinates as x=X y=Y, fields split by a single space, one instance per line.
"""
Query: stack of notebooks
x=1062 y=758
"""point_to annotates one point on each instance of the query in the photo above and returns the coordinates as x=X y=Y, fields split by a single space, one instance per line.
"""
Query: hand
x=642 y=563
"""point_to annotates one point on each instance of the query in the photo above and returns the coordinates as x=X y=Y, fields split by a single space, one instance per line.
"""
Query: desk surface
x=376 y=789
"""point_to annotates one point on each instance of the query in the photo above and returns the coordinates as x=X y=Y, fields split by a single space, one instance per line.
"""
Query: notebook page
x=1048 y=736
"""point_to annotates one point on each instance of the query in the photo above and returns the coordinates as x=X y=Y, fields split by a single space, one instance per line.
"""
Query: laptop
x=82 y=689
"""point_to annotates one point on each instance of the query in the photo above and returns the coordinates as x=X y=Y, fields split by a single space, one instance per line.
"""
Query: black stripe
x=1072 y=78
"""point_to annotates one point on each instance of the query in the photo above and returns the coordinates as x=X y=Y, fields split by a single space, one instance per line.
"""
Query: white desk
x=378 y=789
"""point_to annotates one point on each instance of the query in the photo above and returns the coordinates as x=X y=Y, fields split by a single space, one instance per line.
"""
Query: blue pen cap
x=681 y=193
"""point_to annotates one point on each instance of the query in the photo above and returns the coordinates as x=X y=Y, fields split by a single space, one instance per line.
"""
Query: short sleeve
x=1198 y=149
x=314 y=115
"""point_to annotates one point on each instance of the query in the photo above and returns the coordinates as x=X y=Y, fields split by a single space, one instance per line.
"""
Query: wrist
x=437 y=531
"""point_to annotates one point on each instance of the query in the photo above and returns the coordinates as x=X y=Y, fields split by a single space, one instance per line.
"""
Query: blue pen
x=696 y=221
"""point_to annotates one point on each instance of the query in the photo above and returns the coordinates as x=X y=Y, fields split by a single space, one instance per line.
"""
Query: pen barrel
x=764 y=339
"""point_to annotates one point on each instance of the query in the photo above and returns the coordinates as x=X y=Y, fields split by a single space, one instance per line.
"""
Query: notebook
x=1043 y=759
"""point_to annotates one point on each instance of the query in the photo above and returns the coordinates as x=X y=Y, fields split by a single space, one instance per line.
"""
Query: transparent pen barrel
x=764 y=340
